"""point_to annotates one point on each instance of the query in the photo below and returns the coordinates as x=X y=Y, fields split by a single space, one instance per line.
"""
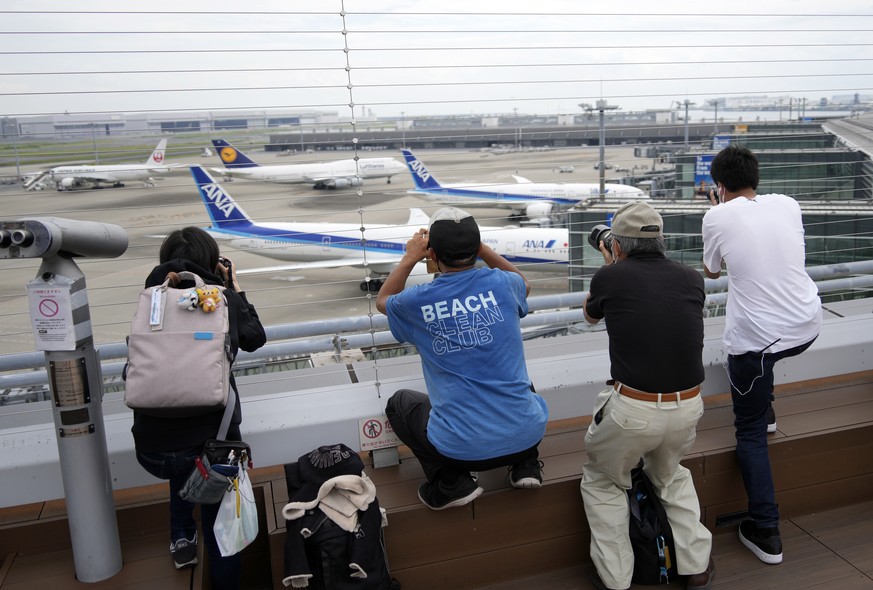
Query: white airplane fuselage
x=339 y=173
x=108 y=173
x=309 y=242
x=378 y=247
x=539 y=201
x=96 y=175
x=518 y=195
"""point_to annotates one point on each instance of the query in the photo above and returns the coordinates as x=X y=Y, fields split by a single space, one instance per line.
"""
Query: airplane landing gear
x=372 y=285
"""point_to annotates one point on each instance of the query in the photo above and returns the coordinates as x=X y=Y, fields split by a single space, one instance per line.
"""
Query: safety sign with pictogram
x=51 y=316
x=376 y=433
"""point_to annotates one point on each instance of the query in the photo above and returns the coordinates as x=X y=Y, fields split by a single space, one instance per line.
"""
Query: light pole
x=403 y=129
x=714 y=104
x=17 y=159
x=687 y=104
x=94 y=142
x=600 y=107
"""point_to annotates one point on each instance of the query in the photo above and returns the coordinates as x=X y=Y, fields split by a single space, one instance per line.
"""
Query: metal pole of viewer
x=77 y=407
x=61 y=323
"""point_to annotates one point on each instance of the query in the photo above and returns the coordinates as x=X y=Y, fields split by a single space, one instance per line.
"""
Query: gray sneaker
x=771 y=420
x=184 y=552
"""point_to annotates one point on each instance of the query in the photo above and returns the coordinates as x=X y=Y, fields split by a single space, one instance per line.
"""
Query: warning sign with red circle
x=51 y=316
x=376 y=433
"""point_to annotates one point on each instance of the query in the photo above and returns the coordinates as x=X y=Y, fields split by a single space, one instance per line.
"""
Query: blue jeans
x=751 y=377
x=175 y=466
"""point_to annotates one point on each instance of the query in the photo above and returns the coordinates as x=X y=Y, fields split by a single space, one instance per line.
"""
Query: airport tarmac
x=282 y=297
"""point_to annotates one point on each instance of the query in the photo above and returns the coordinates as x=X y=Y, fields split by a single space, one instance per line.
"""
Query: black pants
x=409 y=411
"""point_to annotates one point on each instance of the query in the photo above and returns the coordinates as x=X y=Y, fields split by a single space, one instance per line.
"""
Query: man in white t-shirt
x=773 y=312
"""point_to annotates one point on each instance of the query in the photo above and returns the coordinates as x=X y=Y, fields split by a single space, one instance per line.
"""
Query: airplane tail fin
x=157 y=157
x=223 y=210
x=417 y=217
x=420 y=176
x=232 y=157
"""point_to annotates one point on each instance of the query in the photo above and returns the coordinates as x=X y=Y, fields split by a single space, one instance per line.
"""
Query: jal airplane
x=68 y=178
x=315 y=245
x=321 y=175
x=536 y=200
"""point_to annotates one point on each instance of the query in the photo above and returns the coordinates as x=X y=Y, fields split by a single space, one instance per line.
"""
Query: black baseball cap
x=454 y=234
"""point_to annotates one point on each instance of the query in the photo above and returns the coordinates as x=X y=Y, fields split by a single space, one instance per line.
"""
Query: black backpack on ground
x=327 y=551
x=319 y=553
x=650 y=533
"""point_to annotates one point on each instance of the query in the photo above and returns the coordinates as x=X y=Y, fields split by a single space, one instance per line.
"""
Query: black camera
x=228 y=265
x=600 y=233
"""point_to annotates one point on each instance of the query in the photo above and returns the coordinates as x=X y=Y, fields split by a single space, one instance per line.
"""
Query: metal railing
x=301 y=339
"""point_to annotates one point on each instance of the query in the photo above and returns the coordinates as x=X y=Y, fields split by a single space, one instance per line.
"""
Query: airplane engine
x=343 y=182
x=539 y=213
x=68 y=183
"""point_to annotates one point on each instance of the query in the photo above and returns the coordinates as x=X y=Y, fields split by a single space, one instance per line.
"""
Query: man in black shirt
x=653 y=309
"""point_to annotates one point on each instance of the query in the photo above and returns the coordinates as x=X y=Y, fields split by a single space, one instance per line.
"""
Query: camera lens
x=600 y=233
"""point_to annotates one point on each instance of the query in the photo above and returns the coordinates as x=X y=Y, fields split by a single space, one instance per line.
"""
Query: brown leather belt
x=655 y=397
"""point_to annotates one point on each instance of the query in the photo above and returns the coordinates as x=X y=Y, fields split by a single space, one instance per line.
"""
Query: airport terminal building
x=109 y=124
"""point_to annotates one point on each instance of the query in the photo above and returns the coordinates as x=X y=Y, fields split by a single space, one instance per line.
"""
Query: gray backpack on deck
x=179 y=354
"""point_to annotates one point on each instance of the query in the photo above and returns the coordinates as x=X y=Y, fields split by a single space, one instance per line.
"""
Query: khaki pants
x=660 y=434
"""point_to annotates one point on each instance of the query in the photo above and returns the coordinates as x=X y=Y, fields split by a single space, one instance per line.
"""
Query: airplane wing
x=379 y=266
x=522 y=180
x=95 y=177
x=170 y=169
x=326 y=178
x=233 y=171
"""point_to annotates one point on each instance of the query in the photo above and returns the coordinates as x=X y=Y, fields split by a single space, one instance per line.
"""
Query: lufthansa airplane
x=378 y=248
x=321 y=175
x=68 y=178
x=536 y=200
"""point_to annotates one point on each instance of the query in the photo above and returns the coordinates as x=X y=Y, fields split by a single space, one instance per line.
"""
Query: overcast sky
x=425 y=57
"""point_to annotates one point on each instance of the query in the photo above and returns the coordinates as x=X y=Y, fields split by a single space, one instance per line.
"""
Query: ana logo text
x=420 y=170
x=219 y=198
x=539 y=244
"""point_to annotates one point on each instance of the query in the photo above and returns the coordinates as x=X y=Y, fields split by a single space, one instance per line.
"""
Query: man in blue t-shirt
x=481 y=411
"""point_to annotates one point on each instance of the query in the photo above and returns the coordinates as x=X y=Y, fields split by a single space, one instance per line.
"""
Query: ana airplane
x=536 y=200
x=68 y=178
x=321 y=175
x=378 y=248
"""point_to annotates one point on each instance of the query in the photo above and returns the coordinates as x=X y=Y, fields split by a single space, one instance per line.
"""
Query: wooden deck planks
x=513 y=533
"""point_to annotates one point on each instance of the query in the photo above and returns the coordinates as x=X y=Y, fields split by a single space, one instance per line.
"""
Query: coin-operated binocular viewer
x=61 y=322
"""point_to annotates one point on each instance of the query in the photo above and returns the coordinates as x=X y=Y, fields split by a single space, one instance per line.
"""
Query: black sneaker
x=438 y=496
x=526 y=475
x=765 y=543
x=771 y=420
x=184 y=552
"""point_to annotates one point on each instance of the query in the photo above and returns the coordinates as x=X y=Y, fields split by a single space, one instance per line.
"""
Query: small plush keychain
x=188 y=300
x=209 y=299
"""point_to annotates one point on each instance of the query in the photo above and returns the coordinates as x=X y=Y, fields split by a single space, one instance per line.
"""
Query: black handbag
x=217 y=465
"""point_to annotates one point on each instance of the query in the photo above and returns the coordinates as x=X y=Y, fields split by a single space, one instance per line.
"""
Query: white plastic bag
x=236 y=525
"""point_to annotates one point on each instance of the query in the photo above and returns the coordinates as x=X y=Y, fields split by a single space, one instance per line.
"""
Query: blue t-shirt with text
x=465 y=326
